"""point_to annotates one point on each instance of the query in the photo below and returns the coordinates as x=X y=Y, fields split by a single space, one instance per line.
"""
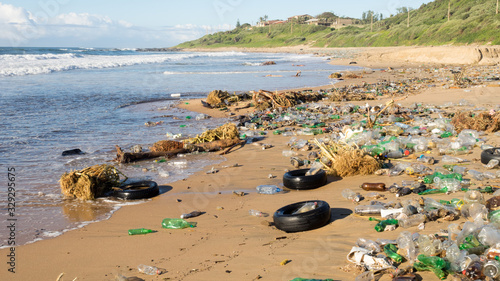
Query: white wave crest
x=16 y=65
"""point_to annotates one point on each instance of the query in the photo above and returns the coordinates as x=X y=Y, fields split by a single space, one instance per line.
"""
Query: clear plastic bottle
x=351 y=195
x=492 y=269
x=288 y=153
x=255 y=213
x=369 y=245
x=459 y=169
x=476 y=175
x=426 y=159
x=268 y=189
x=368 y=209
x=306 y=207
x=412 y=221
x=149 y=270
x=191 y=215
x=492 y=164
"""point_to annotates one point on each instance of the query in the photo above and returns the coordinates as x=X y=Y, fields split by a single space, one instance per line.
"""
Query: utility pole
x=449 y=8
x=371 y=24
x=408 y=23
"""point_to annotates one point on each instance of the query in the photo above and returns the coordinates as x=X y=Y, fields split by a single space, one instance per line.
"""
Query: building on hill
x=312 y=22
x=269 y=22
x=300 y=18
x=343 y=22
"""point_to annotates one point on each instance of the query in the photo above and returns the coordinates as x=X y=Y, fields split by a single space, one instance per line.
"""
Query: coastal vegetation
x=439 y=22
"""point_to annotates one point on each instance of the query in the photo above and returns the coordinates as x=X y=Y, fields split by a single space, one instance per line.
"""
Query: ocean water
x=55 y=99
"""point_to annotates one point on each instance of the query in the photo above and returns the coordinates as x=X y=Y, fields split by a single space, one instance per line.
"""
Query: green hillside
x=471 y=21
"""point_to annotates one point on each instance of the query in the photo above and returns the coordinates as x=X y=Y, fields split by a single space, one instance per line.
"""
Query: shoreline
x=239 y=243
x=388 y=56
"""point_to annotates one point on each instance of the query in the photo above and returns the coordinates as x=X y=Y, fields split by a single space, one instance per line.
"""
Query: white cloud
x=20 y=28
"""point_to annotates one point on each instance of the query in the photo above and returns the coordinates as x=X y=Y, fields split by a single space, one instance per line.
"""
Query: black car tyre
x=137 y=190
x=297 y=179
x=489 y=154
x=285 y=220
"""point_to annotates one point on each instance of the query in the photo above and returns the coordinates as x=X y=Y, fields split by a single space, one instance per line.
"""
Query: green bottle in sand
x=139 y=231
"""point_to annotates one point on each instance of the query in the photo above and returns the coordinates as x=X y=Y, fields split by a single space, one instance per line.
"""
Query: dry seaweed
x=347 y=160
x=166 y=145
x=216 y=98
x=484 y=121
x=91 y=182
x=226 y=131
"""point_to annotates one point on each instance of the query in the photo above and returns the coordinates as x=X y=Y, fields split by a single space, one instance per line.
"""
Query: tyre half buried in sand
x=490 y=154
x=297 y=179
x=137 y=190
x=288 y=220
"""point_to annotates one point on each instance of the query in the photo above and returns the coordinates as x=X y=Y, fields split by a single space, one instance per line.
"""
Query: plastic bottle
x=306 y=207
x=412 y=220
x=139 y=231
x=255 y=213
x=474 y=270
x=492 y=269
x=435 y=262
x=476 y=174
x=492 y=164
x=191 y=215
x=368 y=209
x=459 y=169
x=268 y=189
x=426 y=159
x=351 y=195
x=288 y=153
x=368 y=244
x=149 y=270
x=391 y=251
x=407 y=246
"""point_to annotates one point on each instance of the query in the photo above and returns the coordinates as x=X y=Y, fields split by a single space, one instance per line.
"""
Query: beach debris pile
x=91 y=182
x=479 y=121
x=263 y=99
x=222 y=99
x=226 y=131
x=345 y=160
x=166 y=145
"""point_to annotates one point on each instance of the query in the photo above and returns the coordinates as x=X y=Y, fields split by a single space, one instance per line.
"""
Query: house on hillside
x=312 y=22
x=322 y=22
x=343 y=22
x=300 y=18
x=269 y=22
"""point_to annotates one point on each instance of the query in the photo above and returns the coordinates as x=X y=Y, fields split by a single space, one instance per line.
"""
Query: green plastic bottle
x=139 y=231
x=177 y=223
x=391 y=251
x=380 y=226
x=435 y=262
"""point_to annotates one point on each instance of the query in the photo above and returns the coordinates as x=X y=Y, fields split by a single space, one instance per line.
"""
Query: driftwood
x=127 y=157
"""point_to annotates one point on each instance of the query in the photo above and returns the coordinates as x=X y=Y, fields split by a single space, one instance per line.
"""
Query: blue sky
x=154 y=23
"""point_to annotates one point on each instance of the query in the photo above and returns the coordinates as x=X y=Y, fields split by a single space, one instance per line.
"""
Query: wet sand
x=228 y=243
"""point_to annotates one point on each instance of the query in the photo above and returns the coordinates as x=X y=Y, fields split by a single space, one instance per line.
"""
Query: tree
x=327 y=15
x=238 y=25
x=497 y=7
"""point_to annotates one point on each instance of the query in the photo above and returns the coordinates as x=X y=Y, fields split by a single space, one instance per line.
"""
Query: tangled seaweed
x=226 y=131
x=347 y=160
x=91 y=182
x=484 y=121
x=166 y=145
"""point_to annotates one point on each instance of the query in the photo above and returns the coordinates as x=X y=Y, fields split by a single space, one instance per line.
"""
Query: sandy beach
x=228 y=243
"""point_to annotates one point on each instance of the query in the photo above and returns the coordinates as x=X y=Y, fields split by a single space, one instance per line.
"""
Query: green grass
x=472 y=21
